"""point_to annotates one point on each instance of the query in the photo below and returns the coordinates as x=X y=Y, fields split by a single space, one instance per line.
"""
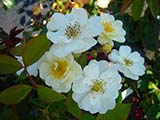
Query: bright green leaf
x=35 y=48
x=158 y=115
x=154 y=7
x=15 y=94
x=48 y=95
x=8 y=64
x=73 y=107
x=88 y=117
x=119 y=98
x=151 y=85
x=137 y=7
x=8 y=3
x=120 y=112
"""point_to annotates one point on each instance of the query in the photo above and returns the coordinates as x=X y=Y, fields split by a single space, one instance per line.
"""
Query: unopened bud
x=106 y=48
x=94 y=54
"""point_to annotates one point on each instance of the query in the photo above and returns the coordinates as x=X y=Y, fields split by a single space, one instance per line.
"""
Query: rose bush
x=81 y=60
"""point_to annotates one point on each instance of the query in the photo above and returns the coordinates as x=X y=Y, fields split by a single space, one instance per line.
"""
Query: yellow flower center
x=59 y=69
x=98 y=86
x=72 y=30
x=108 y=27
x=128 y=62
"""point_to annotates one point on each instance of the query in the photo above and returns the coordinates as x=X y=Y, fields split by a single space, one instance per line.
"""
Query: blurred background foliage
x=24 y=98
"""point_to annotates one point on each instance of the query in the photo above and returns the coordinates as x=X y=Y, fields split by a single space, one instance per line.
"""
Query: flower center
x=59 y=69
x=98 y=86
x=128 y=62
x=108 y=27
x=72 y=30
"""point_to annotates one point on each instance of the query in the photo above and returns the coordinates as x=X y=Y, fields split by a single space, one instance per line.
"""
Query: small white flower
x=103 y=3
x=97 y=90
x=113 y=30
x=131 y=64
x=59 y=73
x=73 y=32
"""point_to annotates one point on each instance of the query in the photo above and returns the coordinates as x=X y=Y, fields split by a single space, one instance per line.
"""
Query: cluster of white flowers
x=96 y=87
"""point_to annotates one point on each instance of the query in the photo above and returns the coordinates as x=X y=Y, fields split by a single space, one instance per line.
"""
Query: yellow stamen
x=72 y=30
x=108 y=27
x=98 y=86
x=59 y=69
x=128 y=62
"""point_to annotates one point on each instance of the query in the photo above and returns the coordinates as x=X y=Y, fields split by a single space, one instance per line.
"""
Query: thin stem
x=13 y=107
x=30 y=78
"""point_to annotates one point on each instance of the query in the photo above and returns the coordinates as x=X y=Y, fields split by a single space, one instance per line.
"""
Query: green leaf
x=82 y=59
x=158 y=95
x=8 y=114
x=48 y=95
x=137 y=7
x=158 y=115
x=8 y=64
x=9 y=3
x=35 y=48
x=17 y=51
x=73 y=107
x=150 y=38
x=154 y=7
x=119 y=98
x=2 y=47
x=144 y=85
x=15 y=94
x=152 y=112
x=36 y=102
x=88 y=117
x=27 y=35
x=145 y=104
x=121 y=112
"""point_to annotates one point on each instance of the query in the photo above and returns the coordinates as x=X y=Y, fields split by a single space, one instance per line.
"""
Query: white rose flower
x=113 y=30
x=59 y=73
x=131 y=64
x=73 y=32
x=97 y=90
